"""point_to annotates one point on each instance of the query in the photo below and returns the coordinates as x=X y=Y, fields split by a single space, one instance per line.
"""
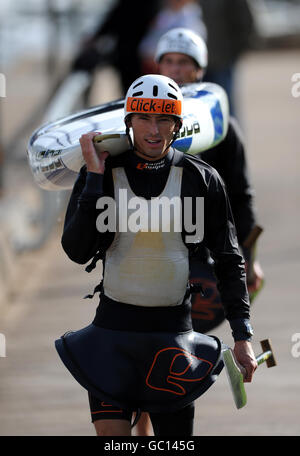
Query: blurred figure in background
x=128 y=36
x=175 y=13
x=230 y=32
x=116 y=40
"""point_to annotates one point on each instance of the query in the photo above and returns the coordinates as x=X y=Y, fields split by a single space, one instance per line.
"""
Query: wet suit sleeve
x=220 y=238
x=238 y=184
x=229 y=159
x=81 y=239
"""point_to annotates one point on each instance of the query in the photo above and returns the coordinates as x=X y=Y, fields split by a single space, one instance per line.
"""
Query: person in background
x=114 y=44
x=230 y=33
x=174 y=13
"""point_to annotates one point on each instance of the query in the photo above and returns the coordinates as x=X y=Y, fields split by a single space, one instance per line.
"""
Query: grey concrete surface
x=37 y=394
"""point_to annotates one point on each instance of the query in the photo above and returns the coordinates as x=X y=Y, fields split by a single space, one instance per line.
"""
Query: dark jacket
x=229 y=159
x=81 y=240
x=121 y=32
x=230 y=30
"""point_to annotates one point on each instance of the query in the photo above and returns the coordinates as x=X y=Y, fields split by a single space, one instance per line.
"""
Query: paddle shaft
x=263 y=357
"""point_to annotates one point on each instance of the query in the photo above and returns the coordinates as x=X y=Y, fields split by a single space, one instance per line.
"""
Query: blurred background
x=57 y=57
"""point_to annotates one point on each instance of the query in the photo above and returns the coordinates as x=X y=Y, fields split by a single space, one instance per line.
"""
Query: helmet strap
x=127 y=131
x=175 y=136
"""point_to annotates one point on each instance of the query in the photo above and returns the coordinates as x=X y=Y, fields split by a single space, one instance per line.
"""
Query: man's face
x=152 y=134
x=179 y=67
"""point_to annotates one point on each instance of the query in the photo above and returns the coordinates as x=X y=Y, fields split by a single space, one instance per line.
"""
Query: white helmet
x=183 y=41
x=154 y=94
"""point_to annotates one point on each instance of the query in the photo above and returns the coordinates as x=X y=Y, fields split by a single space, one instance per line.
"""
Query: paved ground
x=39 y=397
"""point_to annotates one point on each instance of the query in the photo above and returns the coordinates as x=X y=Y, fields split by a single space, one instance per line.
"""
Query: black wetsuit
x=82 y=241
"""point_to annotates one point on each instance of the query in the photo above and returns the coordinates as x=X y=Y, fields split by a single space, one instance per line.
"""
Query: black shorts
x=176 y=423
x=101 y=410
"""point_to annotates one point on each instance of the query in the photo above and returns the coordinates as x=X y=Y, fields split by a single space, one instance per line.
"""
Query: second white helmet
x=184 y=41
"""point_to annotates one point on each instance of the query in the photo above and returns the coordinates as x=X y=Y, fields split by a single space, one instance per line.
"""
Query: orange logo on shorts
x=172 y=366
